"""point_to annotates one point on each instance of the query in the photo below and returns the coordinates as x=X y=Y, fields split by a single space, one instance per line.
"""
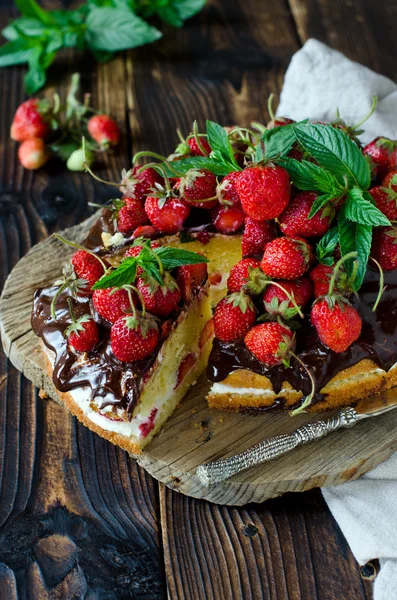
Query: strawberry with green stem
x=353 y=131
x=233 y=317
x=276 y=121
x=82 y=334
x=196 y=143
x=382 y=153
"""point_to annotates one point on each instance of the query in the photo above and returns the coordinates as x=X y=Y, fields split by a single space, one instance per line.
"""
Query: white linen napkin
x=317 y=81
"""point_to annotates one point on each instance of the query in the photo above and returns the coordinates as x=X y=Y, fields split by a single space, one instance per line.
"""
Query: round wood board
x=195 y=434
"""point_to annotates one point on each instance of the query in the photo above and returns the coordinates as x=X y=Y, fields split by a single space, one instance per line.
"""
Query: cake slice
x=125 y=388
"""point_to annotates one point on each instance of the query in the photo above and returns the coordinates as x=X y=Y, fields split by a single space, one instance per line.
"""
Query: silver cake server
x=219 y=470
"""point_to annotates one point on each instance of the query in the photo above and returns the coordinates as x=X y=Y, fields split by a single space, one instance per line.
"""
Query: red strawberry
x=271 y=343
x=87 y=267
x=133 y=338
x=159 y=300
x=135 y=250
x=130 y=216
x=384 y=247
x=286 y=258
x=197 y=186
x=140 y=185
x=168 y=217
x=338 y=324
x=383 y=154
x=277 y=302
x=256 y=235
x=33 y=154
x=264 y=191
x=295 y=219
x=228 y=220
x=185 y=366
x=239 y=274
x=31 y=121
x=195 y=149
x=321 y=277
x=227 y=192
x=146 y=427
x=191 y=278
x=112 y=303
x=104 y=130
x=279 y=122
x=82 y=334
x=146 y=231
x=390 y=181
x=233 y=317
x=386 y=200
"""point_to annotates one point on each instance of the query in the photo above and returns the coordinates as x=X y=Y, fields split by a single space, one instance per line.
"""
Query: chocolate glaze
x=106 y=224
x=117 y=383
x=378 y=342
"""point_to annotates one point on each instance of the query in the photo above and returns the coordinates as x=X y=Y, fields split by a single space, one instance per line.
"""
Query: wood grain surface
x=122 y=533
x=195 y=434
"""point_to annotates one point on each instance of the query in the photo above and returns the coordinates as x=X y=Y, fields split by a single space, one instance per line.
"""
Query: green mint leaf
x=335 y=151
x=112 y=29
x=35 y=77
x=309 y=176
x=354 y=237
x=188 y=8
x=101 y=56
x=360 y=210
x=16 y=52
x=170 y=15
x=326 y=247
x=124 y=274
x=197 y=162
x=64 y=150
x=176 y=257
x=278 y=141
x=319 y=203
x=220 y=144
x=30 y=8
x=27 y=26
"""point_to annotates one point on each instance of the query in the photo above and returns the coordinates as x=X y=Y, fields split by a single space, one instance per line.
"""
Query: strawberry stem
x=289 y=296
x=129 y=289
x=144 y=153
x=89 y=170
x=79 y=247
x=55 y=298
x=70 y=305
x=307 y=401
x=381 y=284
x=270 y=107
x=374 y=103
x=247 y=141
x=338 y=265
x=196 y=136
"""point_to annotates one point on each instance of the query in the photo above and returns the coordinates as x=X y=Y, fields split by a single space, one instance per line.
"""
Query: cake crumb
x=43 y=395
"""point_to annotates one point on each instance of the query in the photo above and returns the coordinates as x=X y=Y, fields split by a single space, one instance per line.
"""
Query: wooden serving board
x=195 y=434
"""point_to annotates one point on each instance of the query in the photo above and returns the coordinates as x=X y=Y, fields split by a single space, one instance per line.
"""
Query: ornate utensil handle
x=219 y=470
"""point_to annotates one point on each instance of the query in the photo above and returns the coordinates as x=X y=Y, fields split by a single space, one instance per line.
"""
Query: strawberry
x=33 y=154
x=147 y=426
x=279 y=122
x=146 y=231
x=386 y=200
x=256 y=235
x=264 y=191
x=227 y=192
x=87 y=267
x=286 y=258
x=133 y=338
x=271 y=343
x=295 y=219
x=233 y=317
x=239 y=274
x=321 y=277
x=82 y=334
x=185 y=366
x=167 y=217
x=195 y=149
x=130 y=216
x=206 y=334
x=161 y=301
x=136 y=249
x=277 y=303
x=390 y=181
x=190 y=279
x=198 y=188
x=104 y=130
x=384 y=247
x=112 y=303
x=228 y=219
x=140 y=185
x=337 y=323
x=31 y=121
x=383 y=155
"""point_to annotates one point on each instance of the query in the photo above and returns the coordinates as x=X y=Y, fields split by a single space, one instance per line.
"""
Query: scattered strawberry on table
x=46 y=128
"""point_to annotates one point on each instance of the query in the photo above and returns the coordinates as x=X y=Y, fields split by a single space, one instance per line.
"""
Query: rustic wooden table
x=78 y=519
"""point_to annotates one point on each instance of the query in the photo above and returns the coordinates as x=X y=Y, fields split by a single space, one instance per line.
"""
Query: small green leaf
x=309 y=176
x=361 y=210
x=35 y=77
x=188 y=8
x=355 y=237
x=335 y=151
x=112 y=29
x=176 y=257
x=197 y=162
x=16 y=52
x=124 y=274
x=278 y=141
x=319 y=203
x=326 y=247
x=27 y=26
x=220 y=144
x=30 y=8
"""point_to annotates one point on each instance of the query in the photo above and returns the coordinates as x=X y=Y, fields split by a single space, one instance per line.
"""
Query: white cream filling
x=221 y=388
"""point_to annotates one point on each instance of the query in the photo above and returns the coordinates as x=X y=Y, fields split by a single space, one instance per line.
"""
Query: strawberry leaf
x=123 y=275
x=335 y=151
x=277 y=142
x=354 y=237
x=309 y=176
x=220 y=144
x=326 y=247
x=176 y=257
x=361 y=210
x=196 y=162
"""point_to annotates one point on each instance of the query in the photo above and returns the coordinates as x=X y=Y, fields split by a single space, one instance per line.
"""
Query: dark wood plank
x=363 y=30
x=285 y=548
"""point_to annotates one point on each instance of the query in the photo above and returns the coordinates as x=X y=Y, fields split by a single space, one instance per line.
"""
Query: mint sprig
x=354 y=237
x=102 y=27
x=326 y=247
x=154 y=261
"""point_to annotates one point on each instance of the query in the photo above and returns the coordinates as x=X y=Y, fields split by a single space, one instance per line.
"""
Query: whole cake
x=286 y=231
